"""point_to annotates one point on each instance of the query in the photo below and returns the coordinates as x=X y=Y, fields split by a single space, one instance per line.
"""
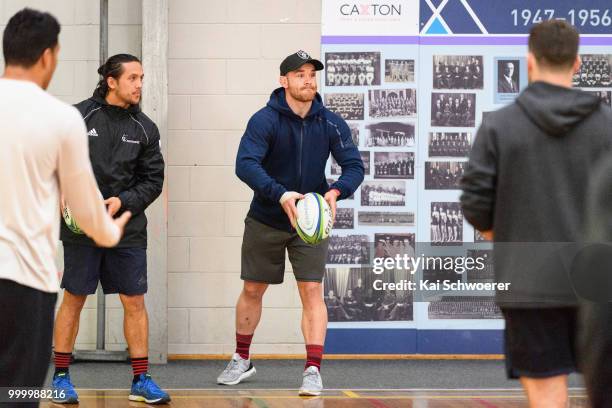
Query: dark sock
x=243 y=344
x=314 y=355
x=140 y=365
x=62 y=362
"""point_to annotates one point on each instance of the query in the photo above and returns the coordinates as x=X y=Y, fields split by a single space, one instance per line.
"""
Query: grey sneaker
x=311 y=383
x=237 y=370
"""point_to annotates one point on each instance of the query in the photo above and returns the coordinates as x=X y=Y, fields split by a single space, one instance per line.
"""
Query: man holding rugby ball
x=282 y=155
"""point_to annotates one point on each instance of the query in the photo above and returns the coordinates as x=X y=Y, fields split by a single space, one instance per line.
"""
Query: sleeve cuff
x=123 y=196
x=279 y=193
x=338 y=192
x=338 y=187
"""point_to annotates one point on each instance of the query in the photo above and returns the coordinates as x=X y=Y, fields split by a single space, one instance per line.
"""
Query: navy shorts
x=119 y=270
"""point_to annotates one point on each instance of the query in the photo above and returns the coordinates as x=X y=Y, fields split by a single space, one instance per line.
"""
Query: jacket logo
x=92 y=132
x=125 y=139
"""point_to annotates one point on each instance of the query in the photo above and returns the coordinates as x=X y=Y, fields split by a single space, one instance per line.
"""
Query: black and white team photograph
x=594 y=71
x=449 y=144
x=345 y=218
x=349 y=106
x=399 y=70
x=389 y=103
x=464 y=307
x=390 y=245
x=385 y=219
x=383 y=193
x=453 y=109
x=365 y=158
x=508 y=76
x=393 y=165
x=352 y=68
x=446 y=223
x=348 y=250
x=457 y=72
x=435 y=271
x=443 y=175
x=349 y=295
x=354 y=126
x=390 y=134
x=605 y=96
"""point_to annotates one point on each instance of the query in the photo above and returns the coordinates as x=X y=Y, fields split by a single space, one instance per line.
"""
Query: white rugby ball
x=314 y=220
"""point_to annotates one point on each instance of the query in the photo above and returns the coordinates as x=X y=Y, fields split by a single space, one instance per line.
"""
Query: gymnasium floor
x=349 y=384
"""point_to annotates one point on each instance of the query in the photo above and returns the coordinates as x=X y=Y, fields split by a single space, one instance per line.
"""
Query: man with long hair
x=124 y=146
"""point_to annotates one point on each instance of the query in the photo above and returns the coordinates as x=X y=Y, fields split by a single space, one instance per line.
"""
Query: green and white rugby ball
x=70 y=222
x=314 y=220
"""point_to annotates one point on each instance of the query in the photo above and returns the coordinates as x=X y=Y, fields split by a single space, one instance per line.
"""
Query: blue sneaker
x=145 y=390
x=63 y=390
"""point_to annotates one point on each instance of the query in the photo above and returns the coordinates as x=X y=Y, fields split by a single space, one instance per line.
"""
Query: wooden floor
x=214 y=398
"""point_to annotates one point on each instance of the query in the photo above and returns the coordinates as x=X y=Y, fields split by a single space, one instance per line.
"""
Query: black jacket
x=124 y=149
x=596 y=292
x=527 y=180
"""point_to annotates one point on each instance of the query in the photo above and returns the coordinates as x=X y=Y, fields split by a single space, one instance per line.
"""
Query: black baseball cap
x=294 y=61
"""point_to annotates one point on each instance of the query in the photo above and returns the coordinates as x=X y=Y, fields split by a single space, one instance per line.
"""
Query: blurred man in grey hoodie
x=593 y=265
x=525 y=187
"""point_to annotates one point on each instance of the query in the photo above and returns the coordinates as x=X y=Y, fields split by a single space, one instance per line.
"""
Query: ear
x=284 y=82
x=111 y=82
x=531 y=61
x=577 y=64
x=46 y=58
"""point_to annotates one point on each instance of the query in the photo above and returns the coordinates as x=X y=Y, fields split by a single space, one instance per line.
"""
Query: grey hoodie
x=527 y=179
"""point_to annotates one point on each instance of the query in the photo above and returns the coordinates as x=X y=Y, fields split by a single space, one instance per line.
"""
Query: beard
x=303 y=94
x=130 y=99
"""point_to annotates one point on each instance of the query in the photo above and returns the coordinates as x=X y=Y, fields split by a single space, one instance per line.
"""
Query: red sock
x=243 y=344
x=140 y=365
x=314 y=354
x=62 y=361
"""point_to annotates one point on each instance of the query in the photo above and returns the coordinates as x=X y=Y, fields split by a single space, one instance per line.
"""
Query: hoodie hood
x=278 y=102
x=98 y=99
x=555 y=109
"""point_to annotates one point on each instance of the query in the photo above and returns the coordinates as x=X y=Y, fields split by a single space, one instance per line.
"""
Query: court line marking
x=351 y=394
x=365 y=397
x=358 y=357
x=333 y=389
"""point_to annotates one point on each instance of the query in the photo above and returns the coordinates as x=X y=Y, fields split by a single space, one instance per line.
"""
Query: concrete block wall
x=74 y=80
x=223 y=64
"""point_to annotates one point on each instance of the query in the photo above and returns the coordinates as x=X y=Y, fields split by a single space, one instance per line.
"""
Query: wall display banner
x=414 y=79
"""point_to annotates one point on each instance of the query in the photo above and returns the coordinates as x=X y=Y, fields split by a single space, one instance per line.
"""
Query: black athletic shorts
x=119 y=270
x=263 y=255
x=540 y=343
x=26 y=331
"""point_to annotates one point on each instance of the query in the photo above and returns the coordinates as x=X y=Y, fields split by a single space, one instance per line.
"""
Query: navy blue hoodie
x=281 y=152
